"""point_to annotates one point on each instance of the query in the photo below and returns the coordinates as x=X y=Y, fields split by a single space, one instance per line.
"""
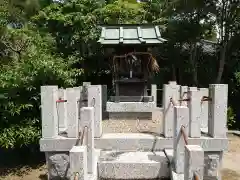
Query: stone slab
x=130 y=106
x=133 y=165
x=132 y=142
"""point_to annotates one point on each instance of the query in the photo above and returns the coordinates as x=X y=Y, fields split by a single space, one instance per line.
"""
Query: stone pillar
x=154 y=93
x=78 y=94
x=72 y=113
x=181 y=118
x=217 y=125
x=49 y=97
x=194 y=162
x=62 y=110
x=183 y=95
x=169 y=91
x=194 y=112
x=95 y=100
x=104 y=101
x=78 y=162
x=204 y=108
x=87 y=119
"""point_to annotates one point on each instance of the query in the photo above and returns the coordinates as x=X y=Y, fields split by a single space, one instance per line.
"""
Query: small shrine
x=131 y=59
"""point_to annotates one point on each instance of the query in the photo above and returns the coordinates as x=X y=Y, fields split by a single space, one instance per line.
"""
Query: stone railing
x=207 y=108
x=61 y=109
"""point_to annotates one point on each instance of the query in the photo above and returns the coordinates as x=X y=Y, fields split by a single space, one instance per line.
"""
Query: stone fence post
x=72 y=112
x=194 y=105
x=217 y=125
x=169 y=91
x=194 y=162
x=62 y=110
x=154 y=93
x=95 y=100
x=78 y=162
x=204 y=108
x=181 y=118
x=87 y=120
x=49 y=97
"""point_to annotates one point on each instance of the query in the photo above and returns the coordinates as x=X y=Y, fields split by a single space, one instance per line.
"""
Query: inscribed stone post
x=194 y=162
x=204 y=108
x=72 y=113
x=181 y=118
x=194 y=112
x=49 y=96
x=183 y=95
x=218 y=110
x=62 y=110
x=87 y=120
x=154 y=93
x=78 y=162
x=169 y=91
x=95 y=100
x=104 y=101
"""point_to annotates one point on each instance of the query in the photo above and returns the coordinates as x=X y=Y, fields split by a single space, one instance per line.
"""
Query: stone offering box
x=191 y=145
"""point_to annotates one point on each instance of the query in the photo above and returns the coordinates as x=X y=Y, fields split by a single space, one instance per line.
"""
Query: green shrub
x=231 y=118
x=20 y=82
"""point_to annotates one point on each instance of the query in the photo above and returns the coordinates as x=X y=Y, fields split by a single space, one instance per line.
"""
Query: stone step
x=133 y=165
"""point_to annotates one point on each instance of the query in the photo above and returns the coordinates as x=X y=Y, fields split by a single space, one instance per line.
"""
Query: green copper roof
x=130 y=34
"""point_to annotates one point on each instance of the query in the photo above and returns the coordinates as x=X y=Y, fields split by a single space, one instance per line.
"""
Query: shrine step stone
x=133 y=165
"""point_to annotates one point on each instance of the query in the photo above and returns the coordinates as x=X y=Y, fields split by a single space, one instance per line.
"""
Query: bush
x=231 y=118
x=20 y=80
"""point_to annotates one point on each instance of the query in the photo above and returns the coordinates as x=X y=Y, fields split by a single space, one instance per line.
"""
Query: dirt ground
x=230 y=171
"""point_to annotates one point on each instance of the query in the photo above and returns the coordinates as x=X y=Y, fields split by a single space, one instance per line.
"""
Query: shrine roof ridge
x=131 y=34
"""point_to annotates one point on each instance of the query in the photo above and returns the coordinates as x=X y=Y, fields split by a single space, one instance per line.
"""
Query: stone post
x=49 y=97
x=95 y=100
x=72 y=113
x=204 y=108
x=169 y=91
x=183 y=95
x=62 y=110
x=217 y=125
x=78 y=162
x=181 y=118
x=194 y=162
x=104 y=101
x=194 y=112
x=87 y=120
x=154 y=93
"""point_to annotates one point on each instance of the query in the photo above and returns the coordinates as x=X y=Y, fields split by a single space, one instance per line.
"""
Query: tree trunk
x=221 y=63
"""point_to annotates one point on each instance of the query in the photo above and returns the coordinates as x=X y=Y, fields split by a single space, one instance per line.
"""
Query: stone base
x=130 y=115
x=59 y=167
x=133 y=142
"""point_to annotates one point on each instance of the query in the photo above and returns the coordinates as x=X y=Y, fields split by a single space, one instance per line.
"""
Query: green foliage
x=20 y=82
x=231 y=118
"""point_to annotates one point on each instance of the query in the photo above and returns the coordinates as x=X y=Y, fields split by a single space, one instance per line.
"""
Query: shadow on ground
x=20 y=161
